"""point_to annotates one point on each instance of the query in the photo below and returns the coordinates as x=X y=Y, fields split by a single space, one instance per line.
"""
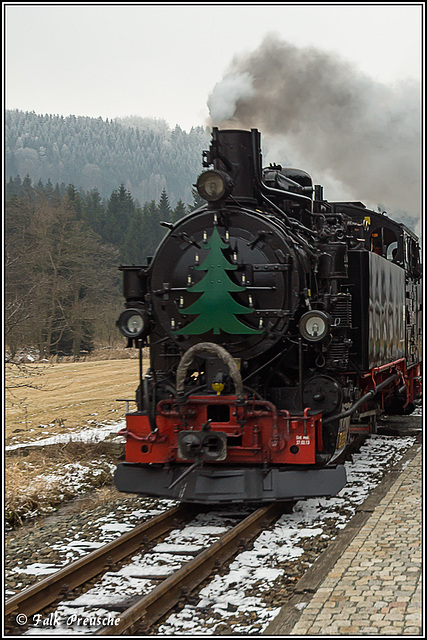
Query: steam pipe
x=358 y=403
x=300 y=374
x=294 y=235
x=303 y=200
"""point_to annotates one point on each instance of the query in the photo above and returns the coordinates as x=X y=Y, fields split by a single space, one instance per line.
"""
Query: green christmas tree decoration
x=216 y=308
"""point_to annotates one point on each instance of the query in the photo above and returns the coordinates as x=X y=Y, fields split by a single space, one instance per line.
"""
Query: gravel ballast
x=243 y=597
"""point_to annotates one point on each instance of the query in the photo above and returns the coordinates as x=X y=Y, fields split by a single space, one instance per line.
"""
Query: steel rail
x=76 y=573
x=150 y=608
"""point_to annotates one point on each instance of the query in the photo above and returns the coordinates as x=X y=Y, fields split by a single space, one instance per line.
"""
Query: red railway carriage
x=278 y=324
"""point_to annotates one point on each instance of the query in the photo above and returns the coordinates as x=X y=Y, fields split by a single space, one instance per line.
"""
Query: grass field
x=56 y=398
x=43 y=400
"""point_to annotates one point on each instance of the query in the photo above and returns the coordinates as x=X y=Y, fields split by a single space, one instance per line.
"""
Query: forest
x=144 y=154
x=83 y=196
x=62 y=252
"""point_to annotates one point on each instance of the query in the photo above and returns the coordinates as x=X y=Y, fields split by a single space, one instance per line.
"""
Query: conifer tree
x=216 y=308
x=179 y=212
x=135 y=240
x=153 y=232
x=165 y=210
x=94 y=211
x=120 y=210
x=50 y=192
x=27 y=189
x=73 y=198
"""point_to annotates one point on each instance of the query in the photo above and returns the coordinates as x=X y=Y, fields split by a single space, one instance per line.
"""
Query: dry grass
x=42 y=480
x=101 y=353
x=58 y=398
x=64 y=397
x=97 y=498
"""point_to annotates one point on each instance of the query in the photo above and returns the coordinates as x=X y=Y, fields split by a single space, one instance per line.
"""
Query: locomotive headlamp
x=314 y=326
x=214 y=185
x=132 y=323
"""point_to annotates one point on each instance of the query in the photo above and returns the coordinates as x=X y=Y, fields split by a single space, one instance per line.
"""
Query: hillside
x=144 y=154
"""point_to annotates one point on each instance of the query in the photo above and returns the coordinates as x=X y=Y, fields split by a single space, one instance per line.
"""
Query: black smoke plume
x=342 y=124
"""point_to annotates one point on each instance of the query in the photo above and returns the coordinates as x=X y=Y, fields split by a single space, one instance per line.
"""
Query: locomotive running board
x=232 y=484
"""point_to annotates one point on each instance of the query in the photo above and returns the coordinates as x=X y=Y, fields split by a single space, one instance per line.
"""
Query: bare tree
x=59 y=277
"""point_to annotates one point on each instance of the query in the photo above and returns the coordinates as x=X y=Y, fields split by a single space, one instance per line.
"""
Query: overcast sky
x=163 y=61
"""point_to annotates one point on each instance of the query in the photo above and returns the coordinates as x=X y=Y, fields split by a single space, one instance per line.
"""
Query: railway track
x=139 y=613
x=149 y=608
x=47 y=591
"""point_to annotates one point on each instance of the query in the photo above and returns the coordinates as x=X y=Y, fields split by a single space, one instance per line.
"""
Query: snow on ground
x=237 y=596
x=94 y=434
x=258 y=567
x=72 y=479
x=72 y=547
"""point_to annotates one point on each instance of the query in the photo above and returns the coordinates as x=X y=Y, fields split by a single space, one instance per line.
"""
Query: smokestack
x=238 y=153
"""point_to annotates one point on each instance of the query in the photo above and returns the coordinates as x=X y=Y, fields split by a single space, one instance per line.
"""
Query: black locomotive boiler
x=277 y=324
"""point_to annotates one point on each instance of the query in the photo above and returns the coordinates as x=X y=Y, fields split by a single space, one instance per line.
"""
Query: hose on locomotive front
x=220 y=352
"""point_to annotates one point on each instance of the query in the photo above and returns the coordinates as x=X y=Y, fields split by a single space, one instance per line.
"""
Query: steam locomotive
x=278 y=324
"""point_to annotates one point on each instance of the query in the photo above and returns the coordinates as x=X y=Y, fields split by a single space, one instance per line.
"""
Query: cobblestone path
x=375 y=587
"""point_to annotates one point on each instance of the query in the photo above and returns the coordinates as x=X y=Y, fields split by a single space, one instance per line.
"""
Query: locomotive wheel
x=396 y=408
